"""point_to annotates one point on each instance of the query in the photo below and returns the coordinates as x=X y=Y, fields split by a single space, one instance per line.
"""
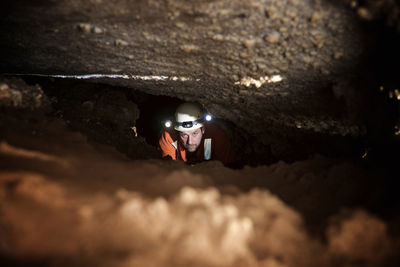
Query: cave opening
x=131 y=120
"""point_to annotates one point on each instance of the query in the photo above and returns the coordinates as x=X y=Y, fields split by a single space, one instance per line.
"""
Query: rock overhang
x=267 y=66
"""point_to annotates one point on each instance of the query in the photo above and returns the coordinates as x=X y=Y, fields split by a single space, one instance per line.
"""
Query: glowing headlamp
x=168 y=123
x=188 y=124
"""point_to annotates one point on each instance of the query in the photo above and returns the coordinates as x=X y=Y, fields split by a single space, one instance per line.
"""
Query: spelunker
x=194 y=139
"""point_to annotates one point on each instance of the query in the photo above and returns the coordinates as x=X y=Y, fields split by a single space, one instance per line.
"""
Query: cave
x=307 y=92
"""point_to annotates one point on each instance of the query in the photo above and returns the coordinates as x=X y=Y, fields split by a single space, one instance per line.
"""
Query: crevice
x=131 y=121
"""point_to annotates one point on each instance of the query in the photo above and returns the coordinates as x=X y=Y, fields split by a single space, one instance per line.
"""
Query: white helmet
x=188 y=116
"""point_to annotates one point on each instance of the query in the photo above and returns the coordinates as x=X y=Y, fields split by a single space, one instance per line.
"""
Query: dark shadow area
x=104 y=114
x=154 y=111
x=384 y=98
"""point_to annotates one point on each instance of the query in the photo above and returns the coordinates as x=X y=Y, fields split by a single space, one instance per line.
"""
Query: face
x=191 y=139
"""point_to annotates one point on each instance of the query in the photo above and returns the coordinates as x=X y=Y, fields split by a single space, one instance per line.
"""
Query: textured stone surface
x=222 y=53
x=67 y=202
x=103 y=115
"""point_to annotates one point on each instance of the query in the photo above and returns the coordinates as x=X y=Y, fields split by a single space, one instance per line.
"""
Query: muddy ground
x=67 y=200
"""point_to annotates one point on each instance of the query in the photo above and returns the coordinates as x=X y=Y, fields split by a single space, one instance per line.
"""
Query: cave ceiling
x=265 y=65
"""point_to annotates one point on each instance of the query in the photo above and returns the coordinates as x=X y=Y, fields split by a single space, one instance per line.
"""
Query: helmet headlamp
x=188 y=124
x=168 y=123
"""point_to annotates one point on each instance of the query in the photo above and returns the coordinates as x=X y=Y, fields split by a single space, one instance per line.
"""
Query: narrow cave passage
x=131 y=120
x=81 y=180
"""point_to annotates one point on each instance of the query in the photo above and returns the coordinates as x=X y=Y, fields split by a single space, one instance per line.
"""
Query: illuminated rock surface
x=291 y=78
x=264 y=65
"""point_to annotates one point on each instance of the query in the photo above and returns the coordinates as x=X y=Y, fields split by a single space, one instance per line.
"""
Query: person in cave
x=193 y=138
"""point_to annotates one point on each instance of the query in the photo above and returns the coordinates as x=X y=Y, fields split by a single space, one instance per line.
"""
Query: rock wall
x=268 y=66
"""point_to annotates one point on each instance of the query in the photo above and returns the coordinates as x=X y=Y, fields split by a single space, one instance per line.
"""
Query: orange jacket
x=220 y=146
